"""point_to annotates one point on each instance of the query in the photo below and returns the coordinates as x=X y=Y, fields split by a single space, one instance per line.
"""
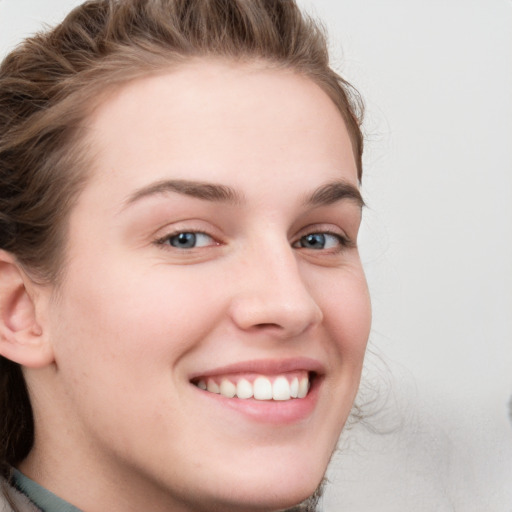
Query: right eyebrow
x=198 y=189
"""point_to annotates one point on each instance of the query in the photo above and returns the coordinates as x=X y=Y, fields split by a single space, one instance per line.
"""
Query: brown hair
x=51 y=83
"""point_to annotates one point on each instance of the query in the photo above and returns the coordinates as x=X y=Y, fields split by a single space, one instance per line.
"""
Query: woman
x=184 y=311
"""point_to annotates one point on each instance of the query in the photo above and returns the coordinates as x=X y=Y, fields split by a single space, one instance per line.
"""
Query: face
x=214 y=247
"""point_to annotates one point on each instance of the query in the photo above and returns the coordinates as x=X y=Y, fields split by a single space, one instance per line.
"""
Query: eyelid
x=325 y=228
x=161 y=240
x=344 y=241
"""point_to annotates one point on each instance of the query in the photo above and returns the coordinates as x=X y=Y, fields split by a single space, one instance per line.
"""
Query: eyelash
x=165 y=240
x=343 y=241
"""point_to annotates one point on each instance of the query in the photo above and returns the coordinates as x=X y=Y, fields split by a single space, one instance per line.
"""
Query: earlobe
x=22 y=338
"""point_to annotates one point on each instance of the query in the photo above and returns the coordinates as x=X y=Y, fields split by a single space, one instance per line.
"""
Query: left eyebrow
x=333 y=192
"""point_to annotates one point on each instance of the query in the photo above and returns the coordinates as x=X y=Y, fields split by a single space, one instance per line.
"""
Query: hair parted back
x=51 y=83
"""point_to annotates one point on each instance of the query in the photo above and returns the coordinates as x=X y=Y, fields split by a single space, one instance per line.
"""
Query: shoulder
x=10 y=496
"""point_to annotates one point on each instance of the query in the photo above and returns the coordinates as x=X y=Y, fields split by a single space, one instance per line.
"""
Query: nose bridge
x=272 y=293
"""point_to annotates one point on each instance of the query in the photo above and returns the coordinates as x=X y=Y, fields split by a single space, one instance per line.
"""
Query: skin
x=135 y=318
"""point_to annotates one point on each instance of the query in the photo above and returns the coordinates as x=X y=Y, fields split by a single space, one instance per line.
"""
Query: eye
x=187 y=240
x=321 y=241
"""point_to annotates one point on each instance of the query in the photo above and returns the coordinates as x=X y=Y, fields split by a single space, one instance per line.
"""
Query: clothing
x=22 y=503
x=29 y=496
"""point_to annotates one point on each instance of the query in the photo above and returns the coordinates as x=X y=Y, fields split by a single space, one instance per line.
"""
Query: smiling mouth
x=284 y=387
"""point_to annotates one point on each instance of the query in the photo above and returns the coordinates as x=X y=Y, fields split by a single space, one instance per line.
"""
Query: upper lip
x=264 y=367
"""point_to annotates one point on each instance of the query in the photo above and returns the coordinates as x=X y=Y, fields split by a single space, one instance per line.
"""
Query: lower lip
x=278 y=412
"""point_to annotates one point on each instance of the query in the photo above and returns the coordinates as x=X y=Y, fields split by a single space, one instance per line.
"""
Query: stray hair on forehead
x=51 y=83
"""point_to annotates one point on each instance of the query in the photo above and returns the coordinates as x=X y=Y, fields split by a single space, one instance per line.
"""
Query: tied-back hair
x=52 y=82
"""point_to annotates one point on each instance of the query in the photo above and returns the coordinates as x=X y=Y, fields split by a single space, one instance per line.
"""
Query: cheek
x=119 y=347
x=347 y=315
x=156 y=317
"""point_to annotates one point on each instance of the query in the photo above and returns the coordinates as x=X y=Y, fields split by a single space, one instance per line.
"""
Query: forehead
x=217 y=120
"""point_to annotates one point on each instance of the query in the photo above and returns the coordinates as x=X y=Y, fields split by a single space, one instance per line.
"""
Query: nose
x=273 y=296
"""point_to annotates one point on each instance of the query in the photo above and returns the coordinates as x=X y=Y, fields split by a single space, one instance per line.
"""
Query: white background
x=436 y=242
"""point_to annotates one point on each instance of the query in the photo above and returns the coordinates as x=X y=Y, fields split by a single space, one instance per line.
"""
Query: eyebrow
x=333 y=192
x=323 y=196
x=197 y=189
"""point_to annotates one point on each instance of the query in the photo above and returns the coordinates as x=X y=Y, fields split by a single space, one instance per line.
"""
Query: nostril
x=282 y=316
x=267 y=325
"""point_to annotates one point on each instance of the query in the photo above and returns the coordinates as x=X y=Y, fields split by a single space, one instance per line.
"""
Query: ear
x=22 y=339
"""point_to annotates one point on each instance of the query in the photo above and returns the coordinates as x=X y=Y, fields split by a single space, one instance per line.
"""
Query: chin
x=267 y=502
x=279 y=493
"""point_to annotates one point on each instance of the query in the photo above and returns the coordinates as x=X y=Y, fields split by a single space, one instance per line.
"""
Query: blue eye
x=188 y=240
x=320 y=241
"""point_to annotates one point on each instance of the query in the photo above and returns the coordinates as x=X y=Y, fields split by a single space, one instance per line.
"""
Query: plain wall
x=436 y=243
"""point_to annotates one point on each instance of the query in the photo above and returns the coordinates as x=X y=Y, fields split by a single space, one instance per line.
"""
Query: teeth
x=281 y=389
x=303 y=387
x=212 y=386
x=227 y=388
x=262 y=389
x=294 y=388
x=244 y=389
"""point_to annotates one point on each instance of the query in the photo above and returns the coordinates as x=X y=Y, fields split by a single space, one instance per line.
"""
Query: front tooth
x=262 y=389
x=294 y=388
x=281 y=389
x=212 y=386
x=303 y=387
x=227 y=388
x=244 y=389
